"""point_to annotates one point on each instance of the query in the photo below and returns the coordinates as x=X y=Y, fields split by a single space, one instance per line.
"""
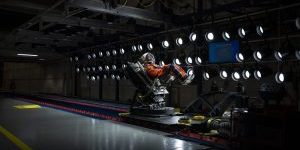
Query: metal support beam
x=76 y=21
x=100 y=88
x=28 y=36
x=117 y=91
x=125 y=11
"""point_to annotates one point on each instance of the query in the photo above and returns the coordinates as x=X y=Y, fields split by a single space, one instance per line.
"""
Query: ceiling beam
x=28 y=36
x=76 y=21
x=125 y=11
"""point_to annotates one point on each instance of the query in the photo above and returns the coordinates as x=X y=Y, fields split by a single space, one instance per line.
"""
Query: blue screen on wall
x=221 y=52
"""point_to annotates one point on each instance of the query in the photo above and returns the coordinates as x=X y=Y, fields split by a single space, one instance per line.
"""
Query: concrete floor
x=46 y=128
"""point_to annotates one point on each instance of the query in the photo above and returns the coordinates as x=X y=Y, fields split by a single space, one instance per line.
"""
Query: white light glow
x=165 y=44
x=209 y=36
x=235 y=76
x=179 y=41
x=149 y=46
x=198 y=60
x=223 y=74
x=122 y=51
x=246 y=74
x=206 y=75
x=193 y=37
x=28 y=55
x=188 y=60
x=239 y=57
x=242 y=32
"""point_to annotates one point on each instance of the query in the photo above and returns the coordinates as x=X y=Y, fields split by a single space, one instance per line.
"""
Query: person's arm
x=154 y=72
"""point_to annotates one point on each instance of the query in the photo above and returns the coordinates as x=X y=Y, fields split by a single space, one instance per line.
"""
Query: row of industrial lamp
x=245 y=74
x=209 y=36
x=207 y=74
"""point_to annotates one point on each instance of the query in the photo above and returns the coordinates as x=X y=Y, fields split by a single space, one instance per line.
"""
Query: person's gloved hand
x=188 y=79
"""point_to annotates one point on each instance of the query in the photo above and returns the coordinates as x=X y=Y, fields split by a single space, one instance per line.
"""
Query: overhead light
x=41 y=59
x=188 y=60
x=297 y=54
x=198 y=60
x=278 y=55
x=161 y=63
x=104 y=76
x=176 y=61
x=77 y=70
x=98 y=77
x=149 y=46
x=133 y=48
x=94 y=55
x=76 y=58
x=223 y=74
x=190 y=72
x=107 y=68
x=179 y=41
x=246 y=74
x=71 y=59
x=83 y=69
x=114 y=52
x=259 y=30
x=28 y=55
x=113 y=76
x=122 y=51
x=298 y=23
x=239 y=57
x=257 y=74
x=118 y=77
x=140 y=47
x=93 y=78
x=257 y=55
x=124 y=66
x=206 y=75
x=107 y=53
x=89 y=56
x=226 y=36
x=235 y=76
x=279 y=77
x=100 y=68
x=88 y=77
x=165 y=44
x=94 y=69
x=241 y=32
x=209 y=36
x=88 y=69
x=193 y=37
x=262 y=72
x=100 y=54
x=114 y=67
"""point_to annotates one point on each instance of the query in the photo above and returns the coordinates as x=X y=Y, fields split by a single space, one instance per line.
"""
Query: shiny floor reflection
x=48 y=128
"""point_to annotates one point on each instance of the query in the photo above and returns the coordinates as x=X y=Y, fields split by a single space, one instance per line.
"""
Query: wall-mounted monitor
x=223 y=52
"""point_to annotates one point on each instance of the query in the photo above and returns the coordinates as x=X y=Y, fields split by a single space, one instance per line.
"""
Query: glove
x=188 y=79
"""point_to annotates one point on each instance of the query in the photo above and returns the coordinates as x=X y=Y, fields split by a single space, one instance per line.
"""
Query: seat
x=149 y=97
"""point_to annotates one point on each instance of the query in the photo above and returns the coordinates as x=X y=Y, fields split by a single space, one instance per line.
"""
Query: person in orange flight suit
x=155 y=71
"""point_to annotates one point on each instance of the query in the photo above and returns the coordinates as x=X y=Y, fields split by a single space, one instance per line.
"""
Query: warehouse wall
x=58 y=78
x=37 y=77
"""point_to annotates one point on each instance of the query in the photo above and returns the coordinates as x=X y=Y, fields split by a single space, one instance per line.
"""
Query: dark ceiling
x=59 y=27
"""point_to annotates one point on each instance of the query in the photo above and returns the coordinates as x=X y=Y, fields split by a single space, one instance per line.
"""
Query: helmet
x=147 y=58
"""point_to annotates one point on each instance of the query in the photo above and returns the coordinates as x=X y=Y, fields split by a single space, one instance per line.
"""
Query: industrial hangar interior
x=149 y=74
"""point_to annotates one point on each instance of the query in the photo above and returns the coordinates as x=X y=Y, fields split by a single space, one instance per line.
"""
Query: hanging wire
x=162 y=2
x=124 y=4
x=147 y=5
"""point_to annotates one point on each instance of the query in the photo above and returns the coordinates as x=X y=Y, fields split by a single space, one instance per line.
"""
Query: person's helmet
x=147 y=58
